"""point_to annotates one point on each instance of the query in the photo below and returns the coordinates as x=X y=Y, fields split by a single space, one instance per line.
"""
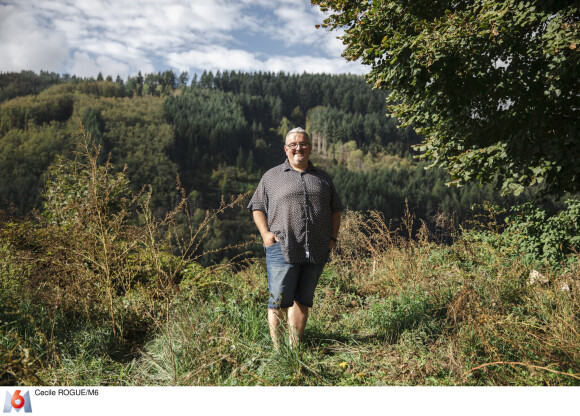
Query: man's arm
x=261 y=221
x=335 y=228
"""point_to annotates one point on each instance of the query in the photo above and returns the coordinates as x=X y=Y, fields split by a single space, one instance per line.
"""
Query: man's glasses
x=295 y=145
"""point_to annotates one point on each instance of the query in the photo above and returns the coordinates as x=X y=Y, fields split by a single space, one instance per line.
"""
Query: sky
x=122 y=37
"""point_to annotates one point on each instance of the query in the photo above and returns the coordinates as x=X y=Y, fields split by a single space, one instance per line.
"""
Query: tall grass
x=85 y=281
x=388 y=311
x=96 y=291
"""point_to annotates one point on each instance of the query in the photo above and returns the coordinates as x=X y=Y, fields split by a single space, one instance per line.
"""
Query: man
x=297 y=211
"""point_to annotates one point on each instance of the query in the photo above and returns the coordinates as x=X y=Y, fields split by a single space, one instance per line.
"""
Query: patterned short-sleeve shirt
x=299 y=208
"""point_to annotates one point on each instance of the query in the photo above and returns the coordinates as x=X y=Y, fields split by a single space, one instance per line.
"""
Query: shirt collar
x=288 y=167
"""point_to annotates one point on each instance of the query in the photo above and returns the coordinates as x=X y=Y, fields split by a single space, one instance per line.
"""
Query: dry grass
x=91 y=295
x=490 y=326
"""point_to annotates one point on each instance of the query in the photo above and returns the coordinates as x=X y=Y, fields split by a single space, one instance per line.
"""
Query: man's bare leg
x=297 y=318
x=276 y=320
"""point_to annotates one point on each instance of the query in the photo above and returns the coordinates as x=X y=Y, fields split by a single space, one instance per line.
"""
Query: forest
x=128 y=257
x=217 y=135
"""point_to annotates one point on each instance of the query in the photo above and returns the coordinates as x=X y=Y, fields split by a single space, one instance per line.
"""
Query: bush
x=544 y=237
x=87 y=279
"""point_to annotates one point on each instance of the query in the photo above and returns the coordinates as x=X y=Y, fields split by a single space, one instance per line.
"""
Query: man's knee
x=303 y=308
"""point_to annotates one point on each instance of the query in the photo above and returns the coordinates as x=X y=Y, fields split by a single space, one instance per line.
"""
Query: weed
x=99 y=291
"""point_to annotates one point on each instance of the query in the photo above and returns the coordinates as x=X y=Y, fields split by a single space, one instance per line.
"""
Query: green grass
x=409 y=313
x=96 y=291
x=433 y=331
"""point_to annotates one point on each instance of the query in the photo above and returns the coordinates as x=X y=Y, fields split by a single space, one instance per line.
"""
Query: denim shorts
x=289 y=282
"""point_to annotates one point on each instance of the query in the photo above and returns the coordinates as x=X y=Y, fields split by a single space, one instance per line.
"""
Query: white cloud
x=295 y=25
x=83 y=65
x=333 y=45
x=121 y=37
x=220 y=58
x=24 y=45
x=216 y=58
x=311 y=64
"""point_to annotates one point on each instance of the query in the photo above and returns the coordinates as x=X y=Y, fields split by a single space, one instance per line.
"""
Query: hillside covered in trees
x=218 y=134
x=126 y=248
x=127 y=256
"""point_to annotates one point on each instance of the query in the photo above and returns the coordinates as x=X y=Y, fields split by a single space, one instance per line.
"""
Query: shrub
x=545 y=237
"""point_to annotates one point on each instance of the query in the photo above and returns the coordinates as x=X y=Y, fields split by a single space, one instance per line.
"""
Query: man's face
x=301 y=153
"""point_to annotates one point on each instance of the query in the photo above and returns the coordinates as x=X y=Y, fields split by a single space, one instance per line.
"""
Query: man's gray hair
x=297 y=130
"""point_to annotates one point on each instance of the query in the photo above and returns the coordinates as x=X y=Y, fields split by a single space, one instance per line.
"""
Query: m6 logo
x=17 y=402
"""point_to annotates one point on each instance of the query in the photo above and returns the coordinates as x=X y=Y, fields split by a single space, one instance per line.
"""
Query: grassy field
x=95 y=291
x=389 y=311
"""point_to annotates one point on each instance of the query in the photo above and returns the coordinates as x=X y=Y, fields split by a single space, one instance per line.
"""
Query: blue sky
x=121 y=37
